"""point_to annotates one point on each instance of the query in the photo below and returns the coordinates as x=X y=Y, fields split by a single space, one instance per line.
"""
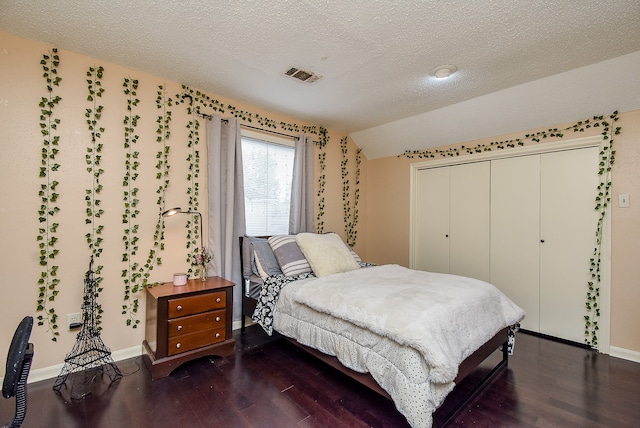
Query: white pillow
x=326 y=253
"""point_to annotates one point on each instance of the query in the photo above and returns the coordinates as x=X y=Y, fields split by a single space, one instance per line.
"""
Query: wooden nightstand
x=187 y=322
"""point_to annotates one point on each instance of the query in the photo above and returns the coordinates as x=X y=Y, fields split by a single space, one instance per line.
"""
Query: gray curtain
x=301 y=210
x=226 y=201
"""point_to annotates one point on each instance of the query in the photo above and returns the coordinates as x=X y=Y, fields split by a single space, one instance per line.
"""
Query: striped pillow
x=355 y=255
x=289 y=256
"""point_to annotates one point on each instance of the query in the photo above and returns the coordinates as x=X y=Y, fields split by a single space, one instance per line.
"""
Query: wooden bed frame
x=500 y=340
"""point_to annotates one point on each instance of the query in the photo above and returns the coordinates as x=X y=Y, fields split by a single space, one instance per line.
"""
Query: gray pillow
x=266 y=262
x=248 y=263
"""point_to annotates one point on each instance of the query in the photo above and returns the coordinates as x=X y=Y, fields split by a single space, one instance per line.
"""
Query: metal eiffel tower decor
x=89 y=357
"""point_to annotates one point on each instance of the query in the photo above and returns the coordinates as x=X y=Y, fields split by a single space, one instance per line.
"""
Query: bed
x=409 y=335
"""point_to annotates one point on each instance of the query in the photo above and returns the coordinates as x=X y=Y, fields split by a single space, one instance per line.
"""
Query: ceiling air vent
x=302 y=75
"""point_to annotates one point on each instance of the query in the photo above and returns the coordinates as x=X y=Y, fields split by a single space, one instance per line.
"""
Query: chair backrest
x=18 y=351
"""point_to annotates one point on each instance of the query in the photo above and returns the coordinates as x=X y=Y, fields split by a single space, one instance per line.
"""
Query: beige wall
x=21 y=89
x=625 y=237
x=387 y=221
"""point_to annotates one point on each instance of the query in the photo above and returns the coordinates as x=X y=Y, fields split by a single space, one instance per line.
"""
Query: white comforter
x=409 y=329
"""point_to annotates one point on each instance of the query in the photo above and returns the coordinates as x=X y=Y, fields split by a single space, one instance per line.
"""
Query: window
x=267 y=169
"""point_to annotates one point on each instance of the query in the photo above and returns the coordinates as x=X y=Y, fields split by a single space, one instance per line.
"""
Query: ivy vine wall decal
x=135 y=274
x=48 y=231
x=163 y=133
x=136 y=278
x=131 y=274
x=349 y=199
x=602 y=199
x=322 y=183
x=193 y=176
x=193 y=189
x=93 y=159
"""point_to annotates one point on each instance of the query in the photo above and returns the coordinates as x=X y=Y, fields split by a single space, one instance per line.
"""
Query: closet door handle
x=542 y=240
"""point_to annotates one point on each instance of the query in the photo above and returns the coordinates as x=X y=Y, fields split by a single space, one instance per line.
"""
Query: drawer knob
x=178 y=345
x=218 y=300
x=217 y=319
x=217 y=335
x=179 y=308
x=179 y=328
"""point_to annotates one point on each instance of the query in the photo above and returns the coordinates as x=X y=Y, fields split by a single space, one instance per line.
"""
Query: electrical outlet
x=74 y=321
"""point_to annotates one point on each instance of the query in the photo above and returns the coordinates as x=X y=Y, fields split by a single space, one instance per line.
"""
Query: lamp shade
x=172 y=211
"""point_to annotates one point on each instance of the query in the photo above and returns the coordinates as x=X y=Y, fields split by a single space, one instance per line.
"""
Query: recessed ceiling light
x=443 y=71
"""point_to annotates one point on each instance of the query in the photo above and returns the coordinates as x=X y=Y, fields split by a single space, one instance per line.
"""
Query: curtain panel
x=226 y=213
x=301 y=209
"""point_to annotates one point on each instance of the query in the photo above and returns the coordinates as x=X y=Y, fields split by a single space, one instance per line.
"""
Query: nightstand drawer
x=191 y=341
x=195 y=323
x=196 y=304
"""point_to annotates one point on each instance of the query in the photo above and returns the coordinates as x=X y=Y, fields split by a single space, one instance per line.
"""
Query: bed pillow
x=248 y=257
x=326 y=253
x=266 y=262
x=355 y=255
x=289 y=255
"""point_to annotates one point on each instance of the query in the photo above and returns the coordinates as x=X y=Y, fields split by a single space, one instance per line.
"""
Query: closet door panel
x=515 y=231
x=569 y=183
x=469 y=220
x=431 y=222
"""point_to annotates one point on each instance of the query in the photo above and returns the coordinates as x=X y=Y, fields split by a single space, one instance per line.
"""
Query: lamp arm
x=178 y=210
x=201 y=234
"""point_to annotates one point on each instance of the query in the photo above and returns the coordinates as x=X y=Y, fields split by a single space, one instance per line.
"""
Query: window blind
x=267 y=171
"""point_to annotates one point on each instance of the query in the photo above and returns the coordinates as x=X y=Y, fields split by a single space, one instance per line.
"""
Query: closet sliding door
x=431 y=223
x=469 y=220
x=451 y=220
x=568 y=221
x=515 y=233
x=543 y=226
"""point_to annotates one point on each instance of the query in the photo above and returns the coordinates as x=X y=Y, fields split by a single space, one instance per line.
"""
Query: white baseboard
x=123 y=354
x=237 y=325
x=625 y=354
x=53 y=371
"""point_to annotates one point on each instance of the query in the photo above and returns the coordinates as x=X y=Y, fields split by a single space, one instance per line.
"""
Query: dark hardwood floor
x=271 y=383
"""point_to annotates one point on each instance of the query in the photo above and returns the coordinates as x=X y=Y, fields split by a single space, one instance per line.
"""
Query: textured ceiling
x=374 y=56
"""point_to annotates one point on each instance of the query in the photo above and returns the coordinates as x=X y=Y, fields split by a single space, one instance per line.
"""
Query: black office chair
x=18 y=366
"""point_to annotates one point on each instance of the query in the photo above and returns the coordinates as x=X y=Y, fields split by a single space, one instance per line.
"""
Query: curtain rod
x=269 y=131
